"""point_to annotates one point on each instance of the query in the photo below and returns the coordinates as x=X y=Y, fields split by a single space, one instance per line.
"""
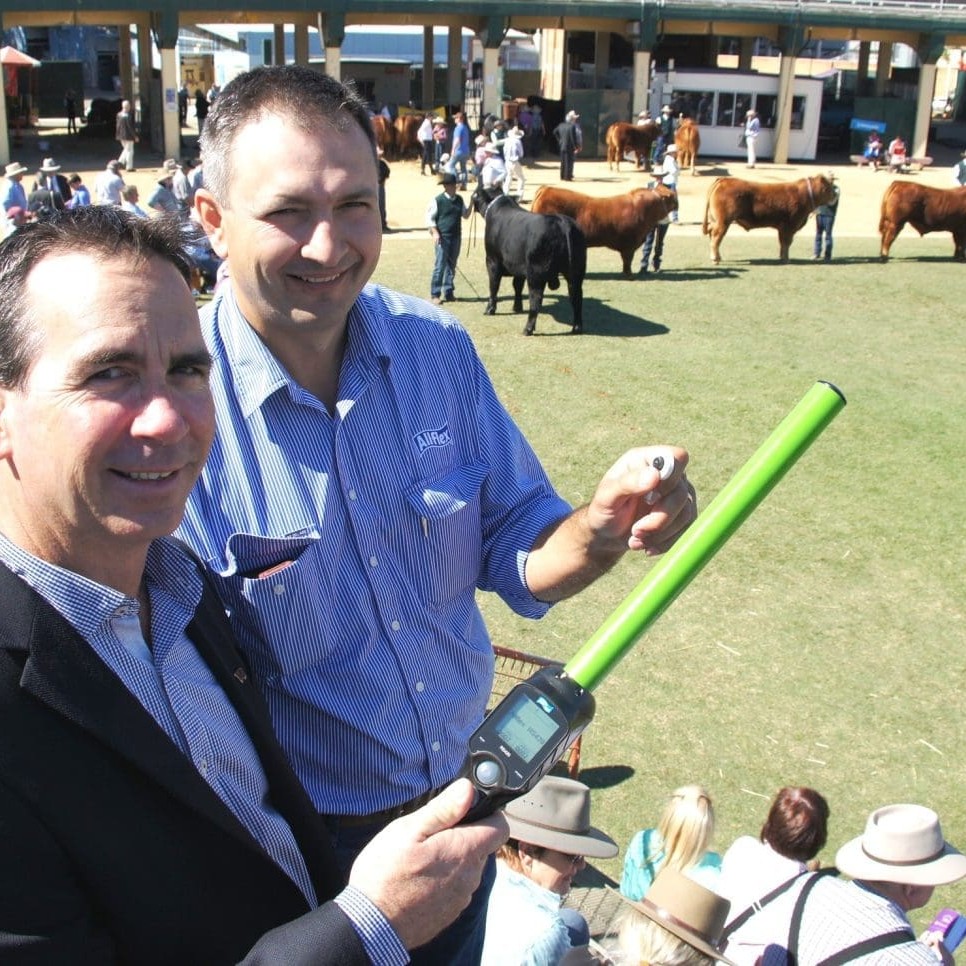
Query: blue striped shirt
x=386 y=516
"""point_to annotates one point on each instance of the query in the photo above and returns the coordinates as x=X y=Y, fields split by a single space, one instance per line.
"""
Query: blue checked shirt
x=373 y=526
x=175 y=686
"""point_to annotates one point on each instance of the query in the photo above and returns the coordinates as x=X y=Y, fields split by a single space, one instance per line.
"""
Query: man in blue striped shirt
x=147 y=813
x=365 y=479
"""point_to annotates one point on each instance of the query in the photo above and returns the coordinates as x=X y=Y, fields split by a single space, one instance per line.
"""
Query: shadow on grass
x=671 y=275
x=590 y=877
x=599 y=319
x=606 y=776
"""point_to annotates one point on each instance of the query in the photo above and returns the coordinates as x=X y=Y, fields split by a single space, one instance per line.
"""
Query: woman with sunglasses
x=550 y=834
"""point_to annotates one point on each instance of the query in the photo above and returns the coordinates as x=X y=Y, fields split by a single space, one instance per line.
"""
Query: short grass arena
x=824 y=644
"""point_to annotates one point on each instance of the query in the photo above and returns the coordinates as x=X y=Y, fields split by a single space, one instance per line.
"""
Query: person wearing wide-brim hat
x=14 y=193
x=50 y=180
x=550 y=834
x=894 y=865
x=679 y=921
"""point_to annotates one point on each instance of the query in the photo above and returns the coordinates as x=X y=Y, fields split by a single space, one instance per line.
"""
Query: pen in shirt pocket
x=425 y=527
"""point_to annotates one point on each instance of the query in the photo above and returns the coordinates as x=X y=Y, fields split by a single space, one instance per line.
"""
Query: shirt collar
x=87 y=605
x=257 y=374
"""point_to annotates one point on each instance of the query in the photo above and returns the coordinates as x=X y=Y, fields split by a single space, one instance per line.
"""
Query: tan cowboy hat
x=688 y=910
x=903 y=844
x=49 y=166
x=515 y=132
x=671 y=149
x=14 y=168
x=556 y=815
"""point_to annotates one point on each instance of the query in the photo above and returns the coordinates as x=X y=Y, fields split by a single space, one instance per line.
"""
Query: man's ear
x=5 y=441
x=210 y=216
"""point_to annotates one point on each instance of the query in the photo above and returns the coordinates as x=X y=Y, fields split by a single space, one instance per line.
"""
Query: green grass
x=824 y=645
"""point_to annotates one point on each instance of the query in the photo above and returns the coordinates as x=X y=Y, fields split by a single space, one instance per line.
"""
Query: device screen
x=528 y=726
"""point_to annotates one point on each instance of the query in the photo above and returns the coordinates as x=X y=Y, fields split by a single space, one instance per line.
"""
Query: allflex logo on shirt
x=433 y=439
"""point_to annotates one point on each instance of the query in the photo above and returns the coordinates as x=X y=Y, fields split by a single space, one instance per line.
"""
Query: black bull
x=536 y=249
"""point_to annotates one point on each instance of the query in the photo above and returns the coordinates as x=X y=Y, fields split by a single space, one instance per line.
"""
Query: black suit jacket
x=112 y=846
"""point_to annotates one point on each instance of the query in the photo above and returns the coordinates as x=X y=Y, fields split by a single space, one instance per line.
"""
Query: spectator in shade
x=756 y=871
x=550 y=833
x=680 y=842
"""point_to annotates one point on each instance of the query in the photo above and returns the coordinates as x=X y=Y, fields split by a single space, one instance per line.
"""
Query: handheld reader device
x=525 y=735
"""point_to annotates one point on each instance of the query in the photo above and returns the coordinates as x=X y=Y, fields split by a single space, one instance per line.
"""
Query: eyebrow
x=198 y=357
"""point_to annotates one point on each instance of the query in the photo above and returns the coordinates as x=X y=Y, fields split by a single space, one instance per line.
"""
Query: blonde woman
x=680 y=842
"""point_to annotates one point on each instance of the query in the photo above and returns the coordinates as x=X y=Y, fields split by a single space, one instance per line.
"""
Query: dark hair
x=302 y=95
x=102 y=231
x=797 y=823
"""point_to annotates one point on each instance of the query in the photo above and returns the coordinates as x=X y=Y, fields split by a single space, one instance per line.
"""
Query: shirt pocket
x=277 y=587
x=448 y=523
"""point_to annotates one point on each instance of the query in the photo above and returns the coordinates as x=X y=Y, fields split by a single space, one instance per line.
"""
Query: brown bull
x=785 y=207
x=687 y=139
x=620 y=222
x=622 y=138
x=926 y=209
x=406 y=143
x=385 y=135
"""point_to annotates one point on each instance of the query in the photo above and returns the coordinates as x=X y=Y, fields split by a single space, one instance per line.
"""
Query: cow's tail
x=885 y=199
x=706 y=225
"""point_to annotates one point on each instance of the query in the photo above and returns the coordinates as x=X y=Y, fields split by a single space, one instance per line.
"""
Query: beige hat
x=671 y=149
x=903 y=844
x=688 y=910
x=14 y=168
x=515 y=132
x=49 y=166
x=555 y=814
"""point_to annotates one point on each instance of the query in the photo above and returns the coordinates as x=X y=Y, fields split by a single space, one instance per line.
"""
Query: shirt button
x=420 y=686
x=203 y=767
x=278 y=590
x=395 y=625
x=435 y=746
x=352 y=494
x=373 y=562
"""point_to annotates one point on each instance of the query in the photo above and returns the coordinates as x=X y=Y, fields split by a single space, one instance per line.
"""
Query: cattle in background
x=406 y=143
x=621 y=222
x=536 y=249
x=622 y=138
x=926 y=209
x=687 y=139
x=385 y=134
x=785 y=207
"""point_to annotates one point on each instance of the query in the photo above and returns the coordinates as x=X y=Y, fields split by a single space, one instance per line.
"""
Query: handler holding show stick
x=365 y=479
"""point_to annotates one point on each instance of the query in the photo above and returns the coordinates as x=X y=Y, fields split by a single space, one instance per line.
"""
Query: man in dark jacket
x=147 y=813
x=569 y=139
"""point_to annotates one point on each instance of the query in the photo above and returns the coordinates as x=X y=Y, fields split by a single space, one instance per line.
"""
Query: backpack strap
x=867 y=946
x=757 y=906
x=796 y=924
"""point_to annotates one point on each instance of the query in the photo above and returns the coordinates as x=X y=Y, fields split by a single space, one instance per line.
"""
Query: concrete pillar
x=924 y=93
x=783 y=124
x=332 y=29
x=5 y=136
x=746 y=52
x=301 y=44
x=333 y=62
x=278 y=54
x=883 y=68
x=862 y=69
x=428 y=93
x=640 y=93
x=171 y=126
x=455 y=92
x=491 y=90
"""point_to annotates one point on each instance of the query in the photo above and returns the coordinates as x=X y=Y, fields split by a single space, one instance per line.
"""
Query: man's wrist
x=380 y=941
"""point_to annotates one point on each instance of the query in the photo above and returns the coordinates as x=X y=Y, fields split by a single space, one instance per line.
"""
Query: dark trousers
x=654 y=242
x=429 y=156
x=823 y=226
x=566 y=165
x=460 y=944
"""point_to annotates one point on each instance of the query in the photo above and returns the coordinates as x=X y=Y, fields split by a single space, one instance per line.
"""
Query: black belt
x=386 y=815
